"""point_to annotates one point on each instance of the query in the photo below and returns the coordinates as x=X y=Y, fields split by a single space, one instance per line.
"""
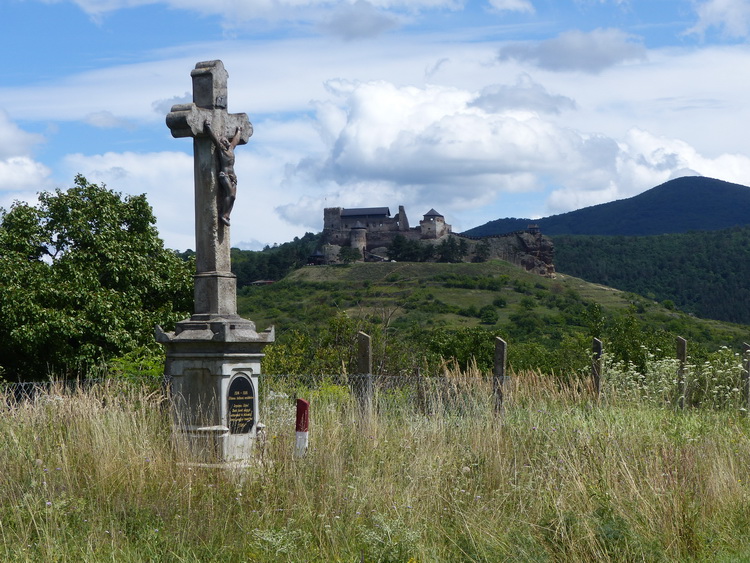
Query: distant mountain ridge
x=690 y=203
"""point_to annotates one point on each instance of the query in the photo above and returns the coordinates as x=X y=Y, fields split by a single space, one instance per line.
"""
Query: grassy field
x=432 y=475
x=433 y=295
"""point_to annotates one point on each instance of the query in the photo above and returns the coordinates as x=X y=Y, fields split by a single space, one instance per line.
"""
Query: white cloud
x=732 y=17
x=590 y=52
x=432 y=146
x=358 y=20
x=238 y=12
x=19 y=174
x=14 y=141
x=166 y=178
x=436 y=147
x=525 y=94
x=107 y=120
x=512 y=6
x=643 y=161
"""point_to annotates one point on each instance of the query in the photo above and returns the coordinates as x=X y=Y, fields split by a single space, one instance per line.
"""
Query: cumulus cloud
x=163 y=107
x=358 y=20
x=433 y=144
x=641 y=161
x=525 y=94
x=19 y=172
x=732 y=17
x=14 y=141
x=436 y=146
x=590 y=52
x=166 y=178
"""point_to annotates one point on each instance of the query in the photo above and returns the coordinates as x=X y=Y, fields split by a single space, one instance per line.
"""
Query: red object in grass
x=303 y=415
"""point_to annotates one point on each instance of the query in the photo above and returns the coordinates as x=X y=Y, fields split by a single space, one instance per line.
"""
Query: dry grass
x=430 y=475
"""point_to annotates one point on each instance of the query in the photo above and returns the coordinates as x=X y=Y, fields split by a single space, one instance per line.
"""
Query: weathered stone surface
x=215 y=350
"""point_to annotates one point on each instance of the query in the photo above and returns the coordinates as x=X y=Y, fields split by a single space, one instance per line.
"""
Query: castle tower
x=433 y=226
x=332 y=218
x=358 y=238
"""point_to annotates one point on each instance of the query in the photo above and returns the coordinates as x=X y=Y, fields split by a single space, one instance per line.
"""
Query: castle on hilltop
x=371 y=230
x=373 y=227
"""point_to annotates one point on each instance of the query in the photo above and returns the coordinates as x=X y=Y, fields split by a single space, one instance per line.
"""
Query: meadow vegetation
x=431 y=473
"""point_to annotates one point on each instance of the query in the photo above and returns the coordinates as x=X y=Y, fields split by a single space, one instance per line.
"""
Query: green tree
x=347 y=254
x=488 y=315
x=451 y=250
x=84 y=278
x=482 y=251
x=402 y=249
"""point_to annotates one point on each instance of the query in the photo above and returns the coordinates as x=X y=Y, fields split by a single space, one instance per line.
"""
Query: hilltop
x=445 y=307
x=691 y=203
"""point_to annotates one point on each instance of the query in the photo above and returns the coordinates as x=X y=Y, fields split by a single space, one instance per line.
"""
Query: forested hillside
x=271 y=263
x=704 y=273
x=685 y=204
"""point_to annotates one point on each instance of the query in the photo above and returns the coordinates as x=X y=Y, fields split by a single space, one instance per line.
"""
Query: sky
x=480 y=109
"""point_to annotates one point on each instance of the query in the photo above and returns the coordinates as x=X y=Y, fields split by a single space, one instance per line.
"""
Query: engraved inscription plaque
x=241 y=405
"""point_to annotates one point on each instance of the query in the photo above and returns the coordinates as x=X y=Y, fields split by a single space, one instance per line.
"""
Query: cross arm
x=189 y=120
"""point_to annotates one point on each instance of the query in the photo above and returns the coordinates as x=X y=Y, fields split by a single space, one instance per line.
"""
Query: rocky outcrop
x=529 y=249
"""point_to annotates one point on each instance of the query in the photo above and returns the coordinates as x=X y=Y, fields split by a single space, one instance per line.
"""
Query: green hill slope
x=453 y=310
x=685 y=204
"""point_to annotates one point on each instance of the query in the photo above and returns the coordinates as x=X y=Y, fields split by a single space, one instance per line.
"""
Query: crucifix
x=213 y=358
x=216 y=133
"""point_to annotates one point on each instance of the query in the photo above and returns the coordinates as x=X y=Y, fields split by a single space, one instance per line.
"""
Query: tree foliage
x=403 y=249
x=704 y=272
x=84 y=277
x=347 y=254
x=451 y=250
x=273 y=262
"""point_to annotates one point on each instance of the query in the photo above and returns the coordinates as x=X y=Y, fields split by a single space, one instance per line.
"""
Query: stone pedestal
x=213 y=369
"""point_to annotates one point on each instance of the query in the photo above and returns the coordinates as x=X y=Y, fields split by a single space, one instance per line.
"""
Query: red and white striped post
x=302 y=425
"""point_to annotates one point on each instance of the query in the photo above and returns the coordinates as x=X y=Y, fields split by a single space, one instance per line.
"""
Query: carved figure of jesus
x=227 y=176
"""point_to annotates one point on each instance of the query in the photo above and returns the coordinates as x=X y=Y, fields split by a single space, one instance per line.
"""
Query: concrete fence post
x=746 y=378
x=597 y=366
x=364 y=389
x=499 y=379
x=681 y=376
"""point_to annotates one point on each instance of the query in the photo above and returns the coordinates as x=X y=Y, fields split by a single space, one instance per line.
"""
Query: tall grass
x=430 y=473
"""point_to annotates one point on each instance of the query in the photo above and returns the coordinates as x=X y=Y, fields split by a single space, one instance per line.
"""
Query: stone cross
x=215 y=134
x=213 y=358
